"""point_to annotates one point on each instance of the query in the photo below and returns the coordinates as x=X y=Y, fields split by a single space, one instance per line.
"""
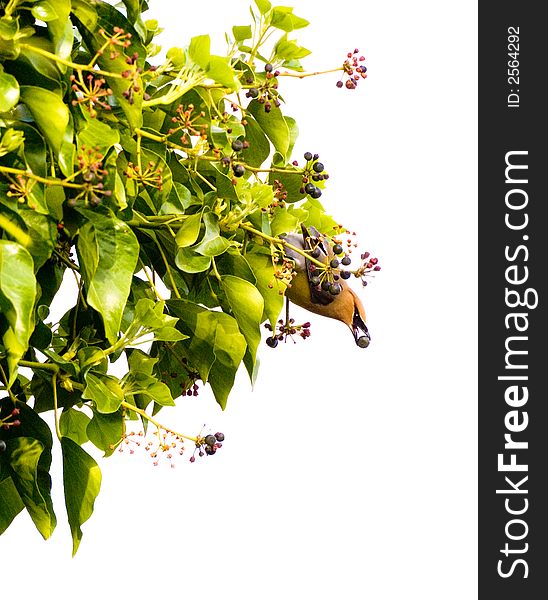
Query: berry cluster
x=186 y=123
x=285 y=329
x=370 y=264
x=208 y=445
x=119 y=38
x=150 y=176
x=21 y=188
x=132 y=74
x=313 y=171
x=284 y=270
x=11 y=420
x=91 y=174
x=352 y=70
x=267 y=93
x=90 y=93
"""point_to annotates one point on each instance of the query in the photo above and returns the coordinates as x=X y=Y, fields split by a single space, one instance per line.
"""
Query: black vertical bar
x=513 y=247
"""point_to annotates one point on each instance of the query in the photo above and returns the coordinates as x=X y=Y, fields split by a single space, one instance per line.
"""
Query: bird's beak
x=360 y=331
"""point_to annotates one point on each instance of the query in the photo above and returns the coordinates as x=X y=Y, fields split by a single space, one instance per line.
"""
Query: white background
x=346 y=472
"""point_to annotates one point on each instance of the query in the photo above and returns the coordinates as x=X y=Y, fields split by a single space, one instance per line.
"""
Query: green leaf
x=105 y=431
x=98 y=134
x=199 y=50
x=272 y=290
x=107 y=251
x=106 y=17
x=105 y=391
x=221 y=72
x=17 y=296
x=81 y=482
x=247 y=304
x=44 y=11
x=10 y=503
x=189 y=231
x=273 y=125
x=73 y=424
x=24 y=460
x=259 y=146
x=9 y=91
x=50 y=113
x=242 y=32
x=283 y=222
x=215 y=346
x=289 y=49
x=284 y=19
x=61 y=30
x=212 y=244
x=263 y=5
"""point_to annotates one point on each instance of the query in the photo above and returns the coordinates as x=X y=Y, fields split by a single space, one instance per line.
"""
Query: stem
x=7 y=387
x=282 y=242
x=215 y=270
x=158 y=425
x=15 y=232
x=38 y=365
x=76 y=66
x=311 y=74
x=150 y=281
x=46 y=181
x=66 y=261
x=55 y=407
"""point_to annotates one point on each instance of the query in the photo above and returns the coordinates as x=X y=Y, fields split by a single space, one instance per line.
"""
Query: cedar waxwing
x=339 y=302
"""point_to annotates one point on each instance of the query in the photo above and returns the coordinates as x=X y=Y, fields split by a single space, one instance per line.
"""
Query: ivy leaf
x=242 y=32
x=199 y=50
x=263 y=5
x=259 y=146
x=189 y=231
x=247 y=305
x=9 y=91
x=212 y=244
x=73 y=424
x=107 y=251
x=10 y=503
x=81 y=482
x=97 y=134
x=105 y=431
x=105 y=391
x=273 y=125
x=44 y=11
x=284 y=19
x=24 y=460
x=50 y=113
x=17 y=295
x=220 y=71
x=272 y=290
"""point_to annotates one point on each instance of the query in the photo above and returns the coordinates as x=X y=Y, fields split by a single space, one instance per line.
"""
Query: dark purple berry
x=339 y=84
x=316 y=193
x=210 y=440
x=252 y=93
x=326 y=285
x=309 y=188
x=308 y=155
x=268 y=68
x=238 y=170
x=335 y=289
x=337 y=249
x=314 y=280
x=272 y=342
x=334 y=263
x=346 y=261
x=318 y=167
x=315 y=157
x=345 y=274
x=237 y=145
x=316 y=252
x=220 y=437
x=210 y=450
